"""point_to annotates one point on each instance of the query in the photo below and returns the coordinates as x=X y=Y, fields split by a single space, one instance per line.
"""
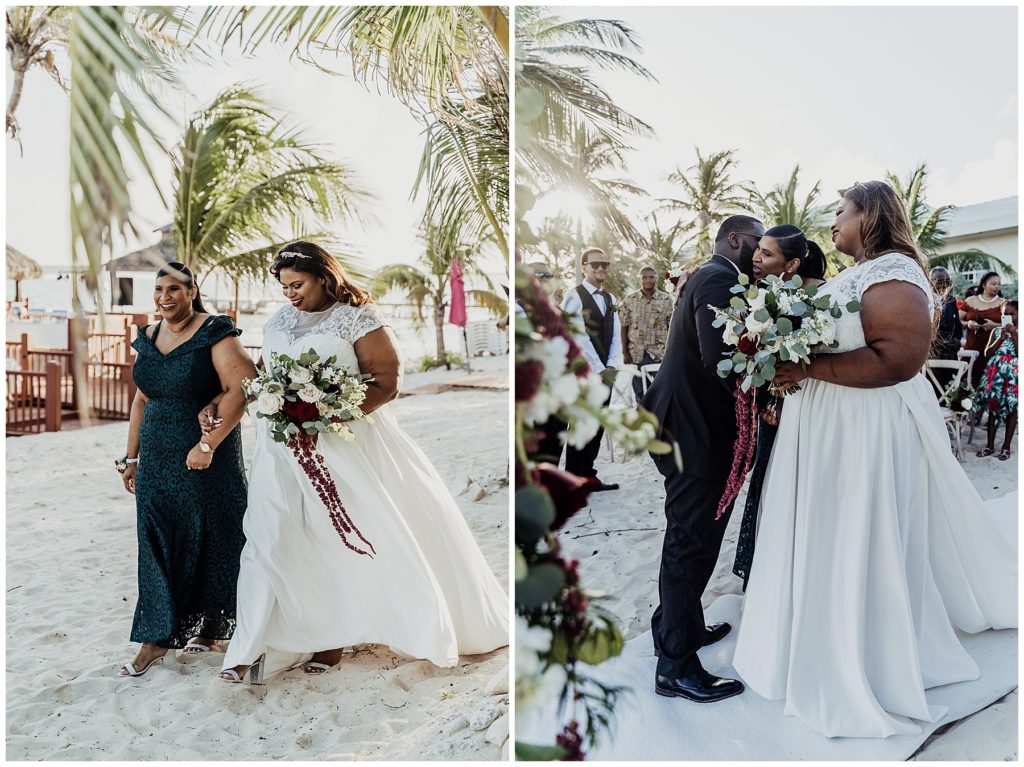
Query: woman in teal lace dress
x=190 y=490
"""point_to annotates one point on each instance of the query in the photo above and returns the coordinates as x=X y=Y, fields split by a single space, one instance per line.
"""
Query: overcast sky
x=847 y=93
x=372 y=132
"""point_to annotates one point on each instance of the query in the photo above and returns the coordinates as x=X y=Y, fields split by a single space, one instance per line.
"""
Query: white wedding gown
x=427 y=593
x=872 y=547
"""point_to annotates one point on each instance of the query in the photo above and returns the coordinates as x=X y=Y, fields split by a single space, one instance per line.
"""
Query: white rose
x=967 y=403
x=301 y=376
x=269 y=403
x=565 y=389
x=757 y=302
x=755 y=326
x=827 y=328
x=785 y=304
x=553 y=354
x=729 y=335
x=309 y=393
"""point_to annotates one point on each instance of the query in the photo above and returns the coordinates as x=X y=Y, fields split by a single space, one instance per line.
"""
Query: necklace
x=987 y=300
x=177 y=335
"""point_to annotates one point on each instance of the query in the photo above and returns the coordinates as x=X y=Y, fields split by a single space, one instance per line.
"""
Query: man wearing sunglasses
x=593 y=310
x=695 y=407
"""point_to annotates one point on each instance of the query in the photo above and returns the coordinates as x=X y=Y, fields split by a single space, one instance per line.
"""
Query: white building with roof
x=989 y=226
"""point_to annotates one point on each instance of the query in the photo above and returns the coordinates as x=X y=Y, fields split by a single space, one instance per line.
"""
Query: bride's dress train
x=427 y=593
x=872 y=547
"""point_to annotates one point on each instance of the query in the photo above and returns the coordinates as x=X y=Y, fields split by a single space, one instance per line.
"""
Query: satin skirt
x=872 y=547
x=427 y=593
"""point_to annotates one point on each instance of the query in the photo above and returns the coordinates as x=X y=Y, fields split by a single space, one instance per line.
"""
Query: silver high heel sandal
x=129 y=667
x=255 y=672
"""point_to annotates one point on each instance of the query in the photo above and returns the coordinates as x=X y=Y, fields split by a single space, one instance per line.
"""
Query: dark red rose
x=568 y=492
x=797 y=321
x=747 y=345
x=528 y=379
x=298 y=412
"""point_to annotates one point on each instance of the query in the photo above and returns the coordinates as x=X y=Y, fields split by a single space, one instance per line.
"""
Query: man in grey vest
x=592 y=311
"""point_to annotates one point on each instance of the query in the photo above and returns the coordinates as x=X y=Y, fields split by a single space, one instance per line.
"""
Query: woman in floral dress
x=997 y=392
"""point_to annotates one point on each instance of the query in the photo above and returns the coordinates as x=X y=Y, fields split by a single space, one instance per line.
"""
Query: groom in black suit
x=695 y=407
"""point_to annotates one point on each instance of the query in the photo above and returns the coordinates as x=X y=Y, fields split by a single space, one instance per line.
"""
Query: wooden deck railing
x=29 y=410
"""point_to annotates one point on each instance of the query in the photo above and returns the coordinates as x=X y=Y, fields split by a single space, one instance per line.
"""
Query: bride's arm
x=377 y=354
x=232 y=364
x=896 y=317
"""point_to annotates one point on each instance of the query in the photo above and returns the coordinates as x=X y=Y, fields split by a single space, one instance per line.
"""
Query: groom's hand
x=788 y=374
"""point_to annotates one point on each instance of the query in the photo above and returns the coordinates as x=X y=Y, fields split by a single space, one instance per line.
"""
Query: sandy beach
x=618 y=541
x=71 y=592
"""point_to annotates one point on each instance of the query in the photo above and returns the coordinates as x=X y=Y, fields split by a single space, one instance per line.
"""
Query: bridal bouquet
x=302 y=399
x=776 y=321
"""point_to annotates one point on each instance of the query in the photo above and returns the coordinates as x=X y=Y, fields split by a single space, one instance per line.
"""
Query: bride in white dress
x=427 y=591
x=872 y=546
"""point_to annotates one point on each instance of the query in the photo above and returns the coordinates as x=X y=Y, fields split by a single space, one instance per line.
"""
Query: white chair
x=477 y=340
x=647 y=373
x=954 y=419
x=623 y=398
x=970 y=356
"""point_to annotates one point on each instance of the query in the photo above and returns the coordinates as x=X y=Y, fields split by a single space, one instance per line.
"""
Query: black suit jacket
x=694 y=405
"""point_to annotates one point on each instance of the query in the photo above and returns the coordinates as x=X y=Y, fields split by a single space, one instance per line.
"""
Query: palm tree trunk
x=496 y=23
x=12 y=103
x=439 y=334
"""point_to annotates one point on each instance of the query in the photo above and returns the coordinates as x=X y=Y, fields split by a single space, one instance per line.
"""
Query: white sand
x=618 y=541
x=71 y=591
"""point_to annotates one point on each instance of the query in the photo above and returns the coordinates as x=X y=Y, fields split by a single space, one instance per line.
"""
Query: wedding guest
x=594 y=313
x=784 y=251
x=980 y=315
x=949 y=333
x=644 y=315
x=997 y=392
x=190 y=489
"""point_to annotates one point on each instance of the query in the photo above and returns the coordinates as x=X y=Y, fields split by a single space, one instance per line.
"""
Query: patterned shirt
x=645 y=322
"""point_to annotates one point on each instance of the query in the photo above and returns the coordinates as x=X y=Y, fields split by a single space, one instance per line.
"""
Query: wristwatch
x=204 y=447
x=122 y=464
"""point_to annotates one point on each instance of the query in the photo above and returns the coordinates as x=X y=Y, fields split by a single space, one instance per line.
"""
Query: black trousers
x=549 y=446
x=580 y=461
x=693 y=538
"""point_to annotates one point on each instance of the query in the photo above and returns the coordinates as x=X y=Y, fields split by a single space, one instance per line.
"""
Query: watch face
x=205 y=448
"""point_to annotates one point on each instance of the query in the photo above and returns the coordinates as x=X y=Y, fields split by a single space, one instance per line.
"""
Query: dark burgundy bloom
x=529 y=375
x=571 y=740
x=797 y=321
x=299 y=412
x=747 y=345
x=568 y=492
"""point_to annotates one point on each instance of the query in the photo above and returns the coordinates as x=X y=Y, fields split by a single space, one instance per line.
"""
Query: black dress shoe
x=697 y=685
x=715 y=631
x=601 y=486
x=712 y=634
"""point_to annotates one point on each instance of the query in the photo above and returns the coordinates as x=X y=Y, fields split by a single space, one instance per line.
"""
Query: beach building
x=133 y=276
x=989 y=226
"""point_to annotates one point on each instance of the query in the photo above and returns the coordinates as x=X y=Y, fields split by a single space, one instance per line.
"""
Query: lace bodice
x=852 y=283
x=333 y=331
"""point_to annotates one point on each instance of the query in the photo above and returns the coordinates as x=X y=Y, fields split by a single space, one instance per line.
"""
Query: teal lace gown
x=189 y=522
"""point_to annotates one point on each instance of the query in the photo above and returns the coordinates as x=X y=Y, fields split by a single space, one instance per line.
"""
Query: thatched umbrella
x=21 y=267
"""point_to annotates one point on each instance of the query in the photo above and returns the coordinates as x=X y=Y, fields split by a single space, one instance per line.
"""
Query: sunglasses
x=543 y=275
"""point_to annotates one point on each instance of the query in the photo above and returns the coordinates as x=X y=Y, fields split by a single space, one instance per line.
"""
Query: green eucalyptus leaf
x=541 y=584
x=528 y=752
x=534 y=513
x=659 y=447
x=784 y=325
x=737 y=303
x=853 y=306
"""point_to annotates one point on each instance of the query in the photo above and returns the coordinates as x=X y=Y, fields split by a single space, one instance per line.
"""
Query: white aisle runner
x=648 y=727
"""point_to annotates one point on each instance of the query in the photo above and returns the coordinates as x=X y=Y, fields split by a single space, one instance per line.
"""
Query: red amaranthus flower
x=743 y=449
x=304 y=447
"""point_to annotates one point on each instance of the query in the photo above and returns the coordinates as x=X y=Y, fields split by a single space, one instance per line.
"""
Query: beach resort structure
x=989 y=226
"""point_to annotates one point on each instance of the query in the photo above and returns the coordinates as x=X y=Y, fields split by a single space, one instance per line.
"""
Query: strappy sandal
x=255 y=672
x=315 y=667
x=130 y=669
x=1004 y=455
x=985 y=453
x=193 y=647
